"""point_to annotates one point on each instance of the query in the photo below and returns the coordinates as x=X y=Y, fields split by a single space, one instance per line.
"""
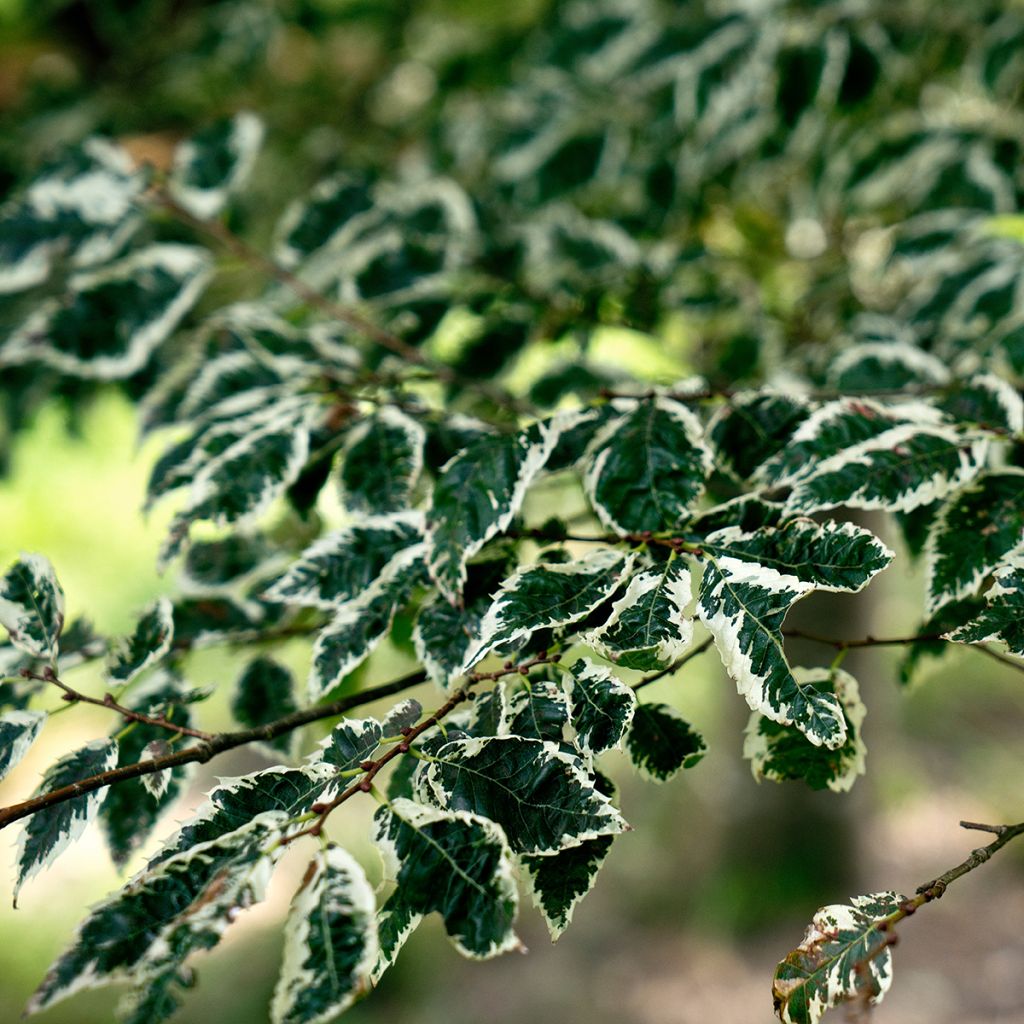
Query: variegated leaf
x=50 y=831
x=900 y=470
x=833 y=429
x=476 y=496
x=214 y=163
x=340 y=567
x=182 y=903
x=360 y=625
x=558 y=882
x=32 y=606
x=330 y=942
x=661 y=742
x=150 y=641
x=648 y=627
x=743 y=606
x=752 y=427
x=18 y=731
x=541 y=796
x=1003 y=616
x=782 y=752
x=350 y=743
x=450 y=861
x=382 y=462
x=844 y=957
x=601 y=707
x=976 y=530
x=646 y=469
x=547 y=596
x=832 y=556
x=113 y=318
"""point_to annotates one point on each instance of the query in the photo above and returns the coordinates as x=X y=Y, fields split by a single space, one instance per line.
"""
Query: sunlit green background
x=720 y=875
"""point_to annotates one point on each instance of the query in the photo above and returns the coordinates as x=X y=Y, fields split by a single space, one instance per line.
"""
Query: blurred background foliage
x=520 y=104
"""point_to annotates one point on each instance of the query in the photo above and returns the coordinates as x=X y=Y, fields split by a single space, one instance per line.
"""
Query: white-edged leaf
x=360 y=625
x=349 y=743
x=112 y=318
x=50 y=831
x=541 y=796
x=546 y=596
x=148 y=643
x=450 y=861
x=844 y=957
x=1002 y=618
x=743 y=605
x=381 y=463
x=646 y=469
x=214 y=163
x=831 y=556
x=834 y=428
x=885 y=366
x=900 y=470
x=156 y=783
x=661 y=742
x=558 y=882
x=601 y=706
x=975 y=531
x=32 y=606
x=185 y=902
x=648 y=627
x=477 y=495
x=330 y=942
x=339 y=567
x=781 y=752
x=752 y=427
x=18 y=731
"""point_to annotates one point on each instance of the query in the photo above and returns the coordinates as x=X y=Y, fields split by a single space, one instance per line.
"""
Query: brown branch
x=251 y=256
x=676 y=665
x=372 y=768
x=73 y=696
x=204 y=751
x=868 y=641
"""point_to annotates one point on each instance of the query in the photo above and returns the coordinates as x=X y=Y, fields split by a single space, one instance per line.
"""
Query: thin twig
x=210 y=748
x=371 y=768
x=73 y=696
x=676 y=665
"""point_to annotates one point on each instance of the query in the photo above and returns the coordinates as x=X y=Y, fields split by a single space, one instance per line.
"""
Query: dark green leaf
x=661 y=742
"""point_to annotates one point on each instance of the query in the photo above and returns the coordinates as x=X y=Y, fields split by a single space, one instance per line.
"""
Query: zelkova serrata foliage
x=584 y=193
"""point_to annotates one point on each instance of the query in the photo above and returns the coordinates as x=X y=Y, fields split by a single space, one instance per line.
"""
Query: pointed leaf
x=648 y=627
x=541 y=797
x=185 y=899
x=900 y=470
x=150 y=641
x=752 y=427
x=339 y=567
x=32 y=606
x=452 y=862
x=661 y=742
x=646 y=469
x=975 y=531
x=782 y=752
x=538 y=710
x=359 y=626
x=330 y=942
x=547 y=596
x=557 y=883
x=1003 y=616
x=112 y=319
x=477 y=495
x=844 y=957
x=49 y=832
x=836 y=557
x=215 y=162
x=743 y=606
x=18 y=731
x=350 y=743
x=601 y=707
x=382 y=462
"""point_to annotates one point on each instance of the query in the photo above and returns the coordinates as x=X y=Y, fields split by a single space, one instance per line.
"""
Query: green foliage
x=400 y=428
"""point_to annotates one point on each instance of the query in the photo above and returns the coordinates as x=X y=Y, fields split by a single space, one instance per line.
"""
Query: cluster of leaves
x=348 y=465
